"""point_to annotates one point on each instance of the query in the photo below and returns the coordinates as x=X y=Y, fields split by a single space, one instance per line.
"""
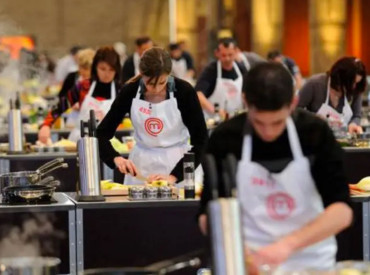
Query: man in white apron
x=179 y=65
x=221 y=82
x=281 y=194
x=161 y=137
x=101 y=108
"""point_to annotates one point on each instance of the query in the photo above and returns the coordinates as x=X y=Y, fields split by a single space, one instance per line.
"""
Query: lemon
x=364 y=184
x=126 y=123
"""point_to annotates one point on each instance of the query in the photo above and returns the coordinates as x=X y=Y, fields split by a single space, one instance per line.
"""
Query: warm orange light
x=13 y=44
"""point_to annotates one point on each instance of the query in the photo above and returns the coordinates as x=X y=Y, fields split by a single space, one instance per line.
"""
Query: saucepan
x=25 y=178
x=29 y=266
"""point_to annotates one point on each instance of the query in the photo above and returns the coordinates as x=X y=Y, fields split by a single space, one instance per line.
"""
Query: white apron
x=160 y=134
x=276 y=204
x=72 y=117
x=326 y=109
x=91 y=103
x=228 y=92
x=179 y=68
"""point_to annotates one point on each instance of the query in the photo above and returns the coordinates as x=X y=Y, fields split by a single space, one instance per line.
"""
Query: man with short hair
x=67 y=64
x=289 y=64
x=131 y=65
x=289 y=166
x=180 y=67
x=221 y=81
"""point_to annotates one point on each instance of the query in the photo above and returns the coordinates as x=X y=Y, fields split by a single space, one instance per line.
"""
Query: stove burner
x=41 y=201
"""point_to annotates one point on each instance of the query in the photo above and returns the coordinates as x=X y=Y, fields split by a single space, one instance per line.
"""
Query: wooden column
x=296 y=43
x=358 y=38
x=242 y=23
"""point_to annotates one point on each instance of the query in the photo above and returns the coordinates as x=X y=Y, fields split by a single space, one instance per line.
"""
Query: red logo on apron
x=231 y=90
x=153 y=126
x=280 y=206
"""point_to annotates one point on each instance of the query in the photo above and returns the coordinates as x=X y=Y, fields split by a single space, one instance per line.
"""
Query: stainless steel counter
x=54 y=229
x=62 y=203
x=125 y=202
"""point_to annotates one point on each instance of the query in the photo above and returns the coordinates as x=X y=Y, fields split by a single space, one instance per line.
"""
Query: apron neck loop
x=293 y=139
x=171 y=88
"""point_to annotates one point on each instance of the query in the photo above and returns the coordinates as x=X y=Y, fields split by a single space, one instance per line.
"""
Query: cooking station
x=49 y=228
x=68 y=177
x=113 y=233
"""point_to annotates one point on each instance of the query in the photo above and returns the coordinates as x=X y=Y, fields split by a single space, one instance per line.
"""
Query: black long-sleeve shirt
x=317 y=142
x=128 y=69
x=191 y=113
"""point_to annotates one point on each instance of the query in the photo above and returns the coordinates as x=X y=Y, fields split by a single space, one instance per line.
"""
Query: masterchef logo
x=280 y=206
x=153 y=126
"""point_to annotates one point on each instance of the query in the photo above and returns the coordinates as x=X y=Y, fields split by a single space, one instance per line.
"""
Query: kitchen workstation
x=224 y=137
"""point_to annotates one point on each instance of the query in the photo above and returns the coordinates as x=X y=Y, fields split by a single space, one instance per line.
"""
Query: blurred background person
x=221 y=81
x=248 y=59
x=121 y=49
x=180 y=67
x=67 y=64
x=289 y=64
x=131 y=65
x=337 y=94
x=96 y=93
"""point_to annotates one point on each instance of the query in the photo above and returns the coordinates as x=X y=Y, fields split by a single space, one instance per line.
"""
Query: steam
x=14 y=72
x=35 y=235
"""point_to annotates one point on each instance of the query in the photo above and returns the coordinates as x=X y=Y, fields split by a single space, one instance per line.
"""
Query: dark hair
x=268 y=87
x=173 y=46
x=343 y=74
x=74 y=50
x=142 y=40
x=153 y=63
x=226 y=42
x=273 y=54
x=110 y=56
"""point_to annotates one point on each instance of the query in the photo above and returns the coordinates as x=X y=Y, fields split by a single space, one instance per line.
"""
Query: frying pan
x=31 y=193
x=25 y=178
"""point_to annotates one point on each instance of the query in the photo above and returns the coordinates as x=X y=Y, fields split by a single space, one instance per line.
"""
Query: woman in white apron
x=96 y=94
x=161 y=120
x=337 y=95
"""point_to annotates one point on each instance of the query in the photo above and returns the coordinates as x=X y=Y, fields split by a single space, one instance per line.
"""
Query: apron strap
x=247 y=148
x=246 y=62
x=327 y=92
x=236 y=68
x=92 y=87
x=295 y=145
x=139 y=90
x=112 y=90
x=219 y=71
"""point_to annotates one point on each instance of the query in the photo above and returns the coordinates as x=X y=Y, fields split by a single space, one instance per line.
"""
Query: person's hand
x=354 y=128
x=44 y=134
x=125 y=166
x=202 y=223
x=273 y=254
x=169 y=178
x=222 y=113
x=99 y=115
x=76 y=106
